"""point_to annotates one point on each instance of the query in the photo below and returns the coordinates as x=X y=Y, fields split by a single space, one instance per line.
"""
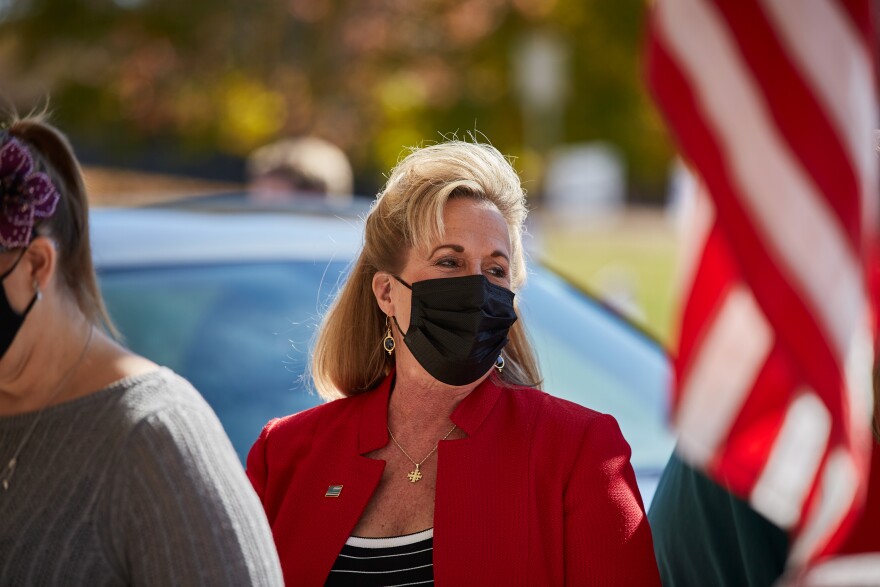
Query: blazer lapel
x=480 y=508
x=329 y=501
x=330 y=494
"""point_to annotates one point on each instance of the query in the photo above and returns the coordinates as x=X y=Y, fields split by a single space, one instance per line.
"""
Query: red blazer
x=540 y=493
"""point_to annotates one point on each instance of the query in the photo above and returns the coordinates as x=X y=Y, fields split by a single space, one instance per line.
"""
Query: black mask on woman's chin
x=458 y=326
x=10 y=320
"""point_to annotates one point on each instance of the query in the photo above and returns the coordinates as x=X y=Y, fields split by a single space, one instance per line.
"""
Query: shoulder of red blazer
x=564 y=429
x=595 y=432
x=290 y=433
x=285 y=442
x=564 y=416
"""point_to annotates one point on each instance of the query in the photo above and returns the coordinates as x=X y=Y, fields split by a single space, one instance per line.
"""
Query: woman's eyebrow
x=456 y=248
x=460 y=249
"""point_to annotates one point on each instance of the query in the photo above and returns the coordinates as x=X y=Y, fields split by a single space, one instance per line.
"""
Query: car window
x=240 y=333
x=591 y=356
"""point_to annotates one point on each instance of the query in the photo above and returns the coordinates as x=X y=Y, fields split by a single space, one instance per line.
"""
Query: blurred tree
x=373 y=76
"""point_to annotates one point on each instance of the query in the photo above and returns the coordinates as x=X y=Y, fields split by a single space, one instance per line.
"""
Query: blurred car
x=230 y=297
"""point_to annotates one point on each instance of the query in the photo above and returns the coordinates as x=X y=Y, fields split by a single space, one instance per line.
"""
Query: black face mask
x=10 y=320
x=458 y=326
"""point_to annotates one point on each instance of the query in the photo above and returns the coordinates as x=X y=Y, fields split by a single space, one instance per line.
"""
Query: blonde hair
x=408 y=213
x=69 y=225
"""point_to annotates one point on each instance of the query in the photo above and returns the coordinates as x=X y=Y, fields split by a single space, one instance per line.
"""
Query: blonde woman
x=439 y=460
x=113 y=471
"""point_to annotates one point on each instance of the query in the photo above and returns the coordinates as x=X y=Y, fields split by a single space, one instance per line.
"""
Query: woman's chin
x=414 y=375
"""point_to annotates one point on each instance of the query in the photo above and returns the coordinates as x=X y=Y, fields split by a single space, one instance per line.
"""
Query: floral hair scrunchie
x=25 y=195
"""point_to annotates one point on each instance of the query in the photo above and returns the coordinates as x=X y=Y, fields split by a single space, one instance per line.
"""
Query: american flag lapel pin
x=333 y=491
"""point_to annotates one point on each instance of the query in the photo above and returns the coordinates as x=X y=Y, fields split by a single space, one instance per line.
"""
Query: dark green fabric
x=703 y=535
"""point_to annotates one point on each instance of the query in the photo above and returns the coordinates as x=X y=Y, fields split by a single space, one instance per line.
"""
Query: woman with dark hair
x=113 y=471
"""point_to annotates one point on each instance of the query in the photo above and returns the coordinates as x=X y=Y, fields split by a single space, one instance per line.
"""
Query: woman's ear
x=41 y=259
x=382 y=291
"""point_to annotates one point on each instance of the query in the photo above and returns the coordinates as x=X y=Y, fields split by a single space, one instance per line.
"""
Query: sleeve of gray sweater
x=182 y=509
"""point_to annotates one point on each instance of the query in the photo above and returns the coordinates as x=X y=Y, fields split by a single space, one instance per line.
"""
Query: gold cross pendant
x=414 y=476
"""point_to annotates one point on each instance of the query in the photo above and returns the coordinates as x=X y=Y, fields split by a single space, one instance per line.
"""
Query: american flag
x=773 y=106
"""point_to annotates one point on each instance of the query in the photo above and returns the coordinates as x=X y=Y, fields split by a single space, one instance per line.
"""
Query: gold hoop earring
x=388 y=341
x=499 y=363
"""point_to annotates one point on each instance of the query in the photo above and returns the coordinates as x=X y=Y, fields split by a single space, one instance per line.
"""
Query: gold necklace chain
x=416 y=475
x=9 y=471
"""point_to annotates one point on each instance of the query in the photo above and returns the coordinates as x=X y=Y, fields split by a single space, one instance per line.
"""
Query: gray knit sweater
x=134 y=485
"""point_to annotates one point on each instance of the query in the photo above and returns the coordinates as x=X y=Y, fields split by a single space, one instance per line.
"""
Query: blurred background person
x=114 y=470
x=299 y=168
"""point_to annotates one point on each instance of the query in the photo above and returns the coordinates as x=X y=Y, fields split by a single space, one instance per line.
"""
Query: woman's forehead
x=470 y=224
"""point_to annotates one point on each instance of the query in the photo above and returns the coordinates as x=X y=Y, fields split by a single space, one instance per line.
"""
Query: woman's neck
x=41 y=370
x=420 y=408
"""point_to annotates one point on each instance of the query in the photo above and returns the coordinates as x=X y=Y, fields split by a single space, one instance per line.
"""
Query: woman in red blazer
x=439 y=461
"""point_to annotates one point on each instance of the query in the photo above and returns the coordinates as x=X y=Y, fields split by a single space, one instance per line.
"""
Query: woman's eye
x=498 y=272
x=447 y=262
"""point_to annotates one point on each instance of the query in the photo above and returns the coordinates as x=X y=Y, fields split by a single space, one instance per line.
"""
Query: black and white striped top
x=394 y=561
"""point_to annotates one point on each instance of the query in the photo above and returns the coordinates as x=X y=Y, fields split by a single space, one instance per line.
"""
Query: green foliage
x=374 y=76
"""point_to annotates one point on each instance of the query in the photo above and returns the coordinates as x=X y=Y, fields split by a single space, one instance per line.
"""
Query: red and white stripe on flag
x=773 y=105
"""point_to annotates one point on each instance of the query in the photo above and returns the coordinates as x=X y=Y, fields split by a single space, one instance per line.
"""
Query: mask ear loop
x=38 y=295
x=14 y=265
x=409 y=287
x=399 y=329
